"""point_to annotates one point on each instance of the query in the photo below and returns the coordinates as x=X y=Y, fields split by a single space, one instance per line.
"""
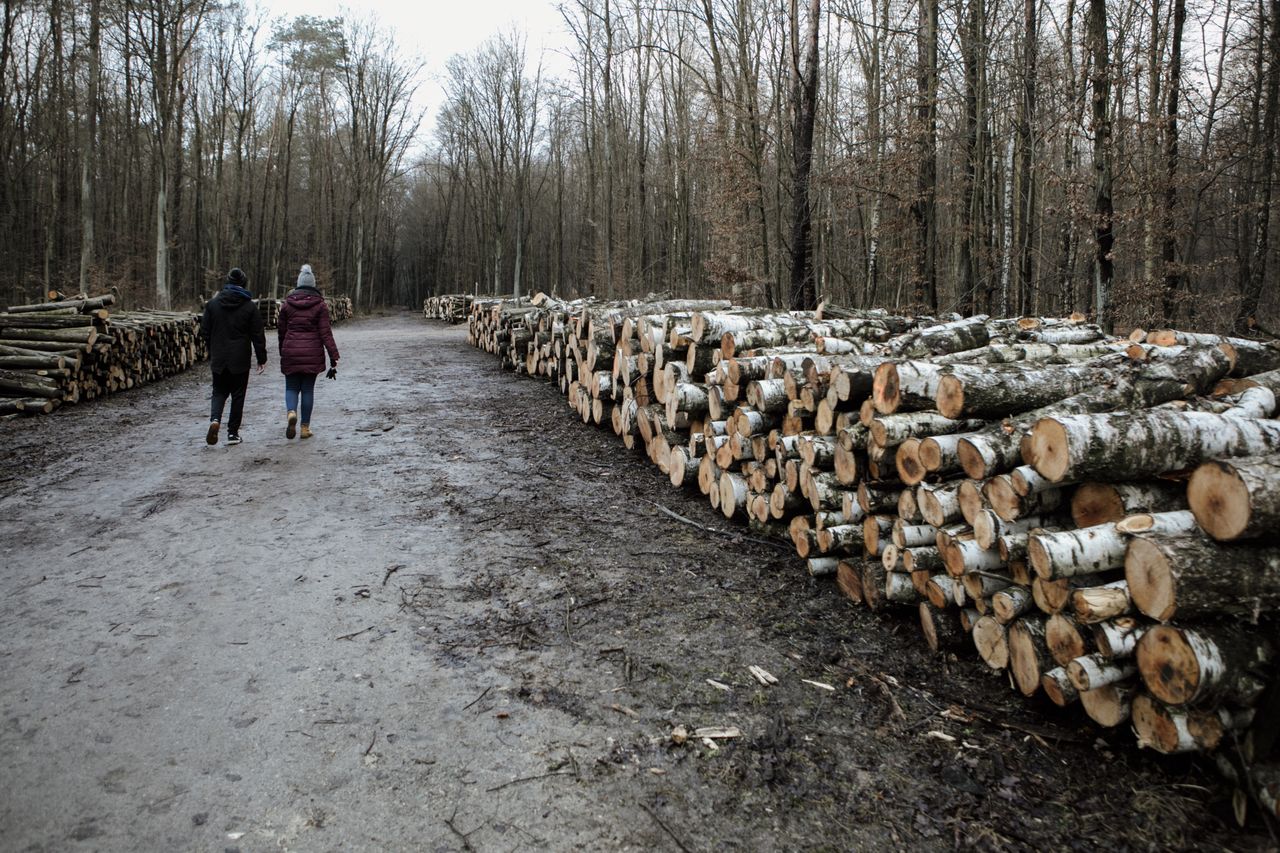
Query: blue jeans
x=303 y=384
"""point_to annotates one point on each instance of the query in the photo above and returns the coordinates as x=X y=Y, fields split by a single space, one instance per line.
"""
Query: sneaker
x=292 y=429
x=306 y=431
x=233 y=439
x=211 y=437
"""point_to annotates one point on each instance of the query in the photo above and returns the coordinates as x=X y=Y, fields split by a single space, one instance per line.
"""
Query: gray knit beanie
x=306 y=278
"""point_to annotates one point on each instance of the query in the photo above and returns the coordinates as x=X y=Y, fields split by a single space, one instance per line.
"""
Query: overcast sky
x=436 y=30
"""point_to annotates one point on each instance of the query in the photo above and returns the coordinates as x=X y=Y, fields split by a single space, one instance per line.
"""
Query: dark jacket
x=231 y=324
x=305 y=333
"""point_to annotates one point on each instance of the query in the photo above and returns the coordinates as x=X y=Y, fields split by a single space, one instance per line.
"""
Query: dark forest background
x=1000 y=156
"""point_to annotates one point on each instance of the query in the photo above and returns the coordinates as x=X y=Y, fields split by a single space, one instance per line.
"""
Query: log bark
x=1101 y=548
x=905 y=386
x=966 y=556
x=1181 y=666
x=1170 y=730
x=1011 y=602
x=939 y=504
x=1134 y=445
x=1096 y=503
x=1237 y=499
x=943 y=592
x=999 y=392
x=1187 y=575
x=1118 y=638
x=888 y=430
x=1108 y=706
x=1011 y=506
x=1092 y=671
x=1058 y=687
x=821 y=567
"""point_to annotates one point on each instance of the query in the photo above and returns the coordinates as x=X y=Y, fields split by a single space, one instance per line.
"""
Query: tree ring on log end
x=1169 y=666
x=1050 y=449
x=1152 y=584
x=1220 y=499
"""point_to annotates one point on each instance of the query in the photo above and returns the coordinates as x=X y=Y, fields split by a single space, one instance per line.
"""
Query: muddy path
x=455 y=619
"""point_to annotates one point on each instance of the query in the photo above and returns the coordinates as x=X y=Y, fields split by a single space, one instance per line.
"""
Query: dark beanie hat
x=237 y=277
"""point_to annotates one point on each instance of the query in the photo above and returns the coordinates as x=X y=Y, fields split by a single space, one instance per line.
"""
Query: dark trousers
x=227 y=384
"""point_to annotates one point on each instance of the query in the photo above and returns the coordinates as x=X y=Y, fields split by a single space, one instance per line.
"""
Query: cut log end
x=951 y=396
x=1050 y=449
x=1220 y=500
x=1174 y=730
x=1152 y=580
x=1169 y=665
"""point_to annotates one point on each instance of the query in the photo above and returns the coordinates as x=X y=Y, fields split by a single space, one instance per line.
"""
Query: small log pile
x=452 y=308
x=76 y=349
x=269 y=309
x=340 y=309
x=1020 y=486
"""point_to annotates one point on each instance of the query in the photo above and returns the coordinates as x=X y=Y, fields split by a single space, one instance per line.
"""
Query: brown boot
x=211 y=437
x=306 y=431
x=291 y=430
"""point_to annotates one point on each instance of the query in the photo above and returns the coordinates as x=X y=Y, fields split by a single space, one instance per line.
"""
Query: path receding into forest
x=456 y=620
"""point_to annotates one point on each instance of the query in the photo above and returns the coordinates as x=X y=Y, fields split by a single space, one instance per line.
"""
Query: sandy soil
x=455 y=619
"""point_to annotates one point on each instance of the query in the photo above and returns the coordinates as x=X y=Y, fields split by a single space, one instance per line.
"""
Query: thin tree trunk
x=1104 y=238
x=803 y=295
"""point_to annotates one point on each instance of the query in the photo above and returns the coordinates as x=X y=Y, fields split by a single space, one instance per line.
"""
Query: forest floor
x=457 y=619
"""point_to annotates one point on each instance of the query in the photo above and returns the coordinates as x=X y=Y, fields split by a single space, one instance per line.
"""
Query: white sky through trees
x=434 y=31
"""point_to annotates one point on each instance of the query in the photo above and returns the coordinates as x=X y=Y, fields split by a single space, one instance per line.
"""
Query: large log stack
x=72 y=350
x=1019 y=485
x=452 y=308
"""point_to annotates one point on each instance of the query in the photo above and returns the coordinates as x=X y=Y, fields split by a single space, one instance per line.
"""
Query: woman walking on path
x=305 y=334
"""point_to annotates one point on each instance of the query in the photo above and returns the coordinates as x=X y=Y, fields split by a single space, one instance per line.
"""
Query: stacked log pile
x=1020 y=485
x=340 y=309
x=452 y=308
x=72 y=350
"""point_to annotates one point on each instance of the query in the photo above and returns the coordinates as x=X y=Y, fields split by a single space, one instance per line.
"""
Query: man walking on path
x=231 y=324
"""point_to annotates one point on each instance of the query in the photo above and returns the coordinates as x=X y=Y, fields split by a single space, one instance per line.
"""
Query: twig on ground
x=466 y=844
x=525 y=779
x=478 y=698
x=666 y=828
x=729 y=534
x=369 y=748
x=391 y=571
x=354 y=634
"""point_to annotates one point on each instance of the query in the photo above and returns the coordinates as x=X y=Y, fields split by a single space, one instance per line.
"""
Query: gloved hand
x=333 y=372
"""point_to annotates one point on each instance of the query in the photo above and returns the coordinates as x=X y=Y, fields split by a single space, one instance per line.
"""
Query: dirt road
x=454 y=620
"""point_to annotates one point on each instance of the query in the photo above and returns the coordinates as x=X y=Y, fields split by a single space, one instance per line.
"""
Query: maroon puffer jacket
x=305 y=333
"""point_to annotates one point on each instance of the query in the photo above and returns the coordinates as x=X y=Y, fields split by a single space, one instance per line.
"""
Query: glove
x=333 y=373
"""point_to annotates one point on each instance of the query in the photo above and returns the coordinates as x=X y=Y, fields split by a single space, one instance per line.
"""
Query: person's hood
x=304 y=297
x=233 y=296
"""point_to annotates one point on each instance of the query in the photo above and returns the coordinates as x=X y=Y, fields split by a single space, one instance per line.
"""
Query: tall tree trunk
x=972 y=44
x=1026 y=157
x=1100 y=84
x=1252 y=286
x=89 y=153
x=803 y=295
x=1169 y=231
x=924 y=206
